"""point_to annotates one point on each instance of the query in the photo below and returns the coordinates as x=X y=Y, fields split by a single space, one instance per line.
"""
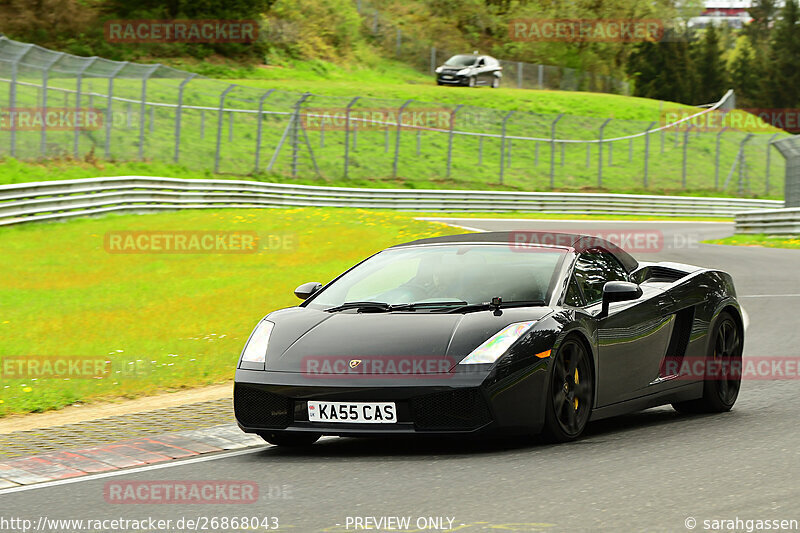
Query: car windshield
x=457 y=273
x=460 y=61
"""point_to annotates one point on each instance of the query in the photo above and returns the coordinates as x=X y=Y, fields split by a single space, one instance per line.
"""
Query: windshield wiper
x=384 y=307
x=503 y=305
x=428 y=305
x=372 y=306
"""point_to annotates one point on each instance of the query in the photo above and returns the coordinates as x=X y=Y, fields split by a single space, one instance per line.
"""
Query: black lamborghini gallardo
x=488 y=332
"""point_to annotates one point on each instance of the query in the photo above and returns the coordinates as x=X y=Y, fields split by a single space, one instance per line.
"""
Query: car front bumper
x=462 y=403
x=452 y=79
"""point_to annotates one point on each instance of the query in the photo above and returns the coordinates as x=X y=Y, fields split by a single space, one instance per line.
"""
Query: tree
x=763 y=13
x=663 y=70
x=746 y=74
x=781 y=82
x=710 y=71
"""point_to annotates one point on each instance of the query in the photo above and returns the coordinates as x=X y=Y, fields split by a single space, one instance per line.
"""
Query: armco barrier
x=55 y=200
x=769 y=221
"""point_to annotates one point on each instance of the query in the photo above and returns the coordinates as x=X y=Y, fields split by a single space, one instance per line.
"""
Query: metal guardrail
x=57 y=200
x=770 y=221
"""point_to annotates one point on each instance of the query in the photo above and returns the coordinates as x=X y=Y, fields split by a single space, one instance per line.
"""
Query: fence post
x=142 y=108
x=630 y=150
x=769 y=151
x=260 y=127
x=541 y=76
x=480 y=150
x=397 y=137
x=588 y=154
x=347 y=133
x=75 y=145
x=536 y=153
x=419 y=141
x=742 y=162
x=12 y=97
x=716 y=158
x=450 y=138
x=553 y=150
x=399 y=41
x=295 y=128
x=220 y=118
x=685 y=152
x=503 y=144
x=45 y=78
x=230 y=126
x=647 y=150
x=519 y=74
x=433 y=59
x=178 y=115
x=600 y=154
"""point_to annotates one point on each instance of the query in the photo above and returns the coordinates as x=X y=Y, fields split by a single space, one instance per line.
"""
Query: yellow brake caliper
x=575 y=401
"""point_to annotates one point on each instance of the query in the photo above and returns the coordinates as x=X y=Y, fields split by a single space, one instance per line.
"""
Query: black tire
x=570 y=392
x=290 y=439
x=720 y=389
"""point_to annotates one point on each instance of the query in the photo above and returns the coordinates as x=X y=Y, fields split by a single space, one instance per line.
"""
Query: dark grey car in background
x=470 y=70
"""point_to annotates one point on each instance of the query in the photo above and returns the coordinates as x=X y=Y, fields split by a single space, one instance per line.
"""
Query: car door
x=481 y=70
x=632 y=340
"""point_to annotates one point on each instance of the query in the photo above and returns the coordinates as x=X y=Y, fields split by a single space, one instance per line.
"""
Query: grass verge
x=163 y=321
x=767 y=241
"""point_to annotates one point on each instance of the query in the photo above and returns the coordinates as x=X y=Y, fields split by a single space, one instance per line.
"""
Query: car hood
x=303 y=334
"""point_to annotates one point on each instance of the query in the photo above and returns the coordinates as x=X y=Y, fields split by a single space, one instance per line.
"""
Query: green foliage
x=711 y=73
x=781 y=83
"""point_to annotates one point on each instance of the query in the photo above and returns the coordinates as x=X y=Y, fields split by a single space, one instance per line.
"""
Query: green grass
x=179 y=319
x=768 y=241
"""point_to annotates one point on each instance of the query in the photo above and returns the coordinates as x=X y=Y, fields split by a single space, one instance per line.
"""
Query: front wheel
x=723 y=376
x=290 y=439
x=570 y=393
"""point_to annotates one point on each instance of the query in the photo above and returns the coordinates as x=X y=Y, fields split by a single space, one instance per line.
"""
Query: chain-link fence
x=125 y=111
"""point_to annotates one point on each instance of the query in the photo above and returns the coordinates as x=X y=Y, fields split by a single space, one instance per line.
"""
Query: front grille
x=257 y=408
x=456 y=409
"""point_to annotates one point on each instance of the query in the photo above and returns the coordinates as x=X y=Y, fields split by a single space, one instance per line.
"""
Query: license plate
x=353 y=412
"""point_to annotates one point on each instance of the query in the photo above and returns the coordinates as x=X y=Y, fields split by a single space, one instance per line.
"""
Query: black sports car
x=470 y=70
x=487 y=332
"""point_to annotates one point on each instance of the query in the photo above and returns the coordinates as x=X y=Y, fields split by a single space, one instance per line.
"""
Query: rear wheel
x=723 y=370
x=290 y=439
x=570 y=393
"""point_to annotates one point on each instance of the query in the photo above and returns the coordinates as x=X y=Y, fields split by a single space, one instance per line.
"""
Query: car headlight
x=496 y=345
x=439 y=69
x=463 y=72
x=256 y=349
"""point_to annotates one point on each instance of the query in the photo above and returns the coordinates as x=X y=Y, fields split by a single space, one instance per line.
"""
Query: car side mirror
x=618 y=291
x=305 y=290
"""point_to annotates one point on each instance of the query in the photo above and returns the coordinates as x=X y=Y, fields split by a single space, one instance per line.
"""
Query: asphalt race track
x=652 y=471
